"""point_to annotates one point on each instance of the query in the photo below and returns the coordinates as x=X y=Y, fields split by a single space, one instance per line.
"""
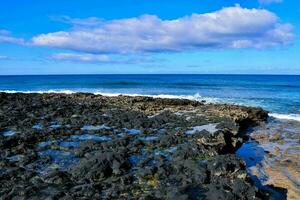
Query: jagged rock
x=86 y=146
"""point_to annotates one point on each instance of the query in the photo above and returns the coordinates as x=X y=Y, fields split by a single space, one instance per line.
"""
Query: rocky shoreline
x=280 y=142
x=86 y=146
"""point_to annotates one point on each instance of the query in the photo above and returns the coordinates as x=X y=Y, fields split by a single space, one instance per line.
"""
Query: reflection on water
x=94 y=128
x=275 y=158
x=148 y=138
x=251 y=153
x=59 y=159
x=132 y=131
x=208 y=127
x=8 y=133
x=37 y=126
x=69 y=144
x=91 y=137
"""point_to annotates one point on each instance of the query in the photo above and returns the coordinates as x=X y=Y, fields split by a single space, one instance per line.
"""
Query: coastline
x=192 y=97
x=279 y=140
x=158 y=146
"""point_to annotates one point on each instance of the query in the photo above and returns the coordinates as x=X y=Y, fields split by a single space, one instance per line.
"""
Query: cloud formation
x=100 y=59
x=269 y=1
x=5 y=37
x=81 y=57
x=232 y=27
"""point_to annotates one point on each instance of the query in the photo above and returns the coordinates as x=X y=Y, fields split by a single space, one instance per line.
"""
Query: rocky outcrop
x=85 y=146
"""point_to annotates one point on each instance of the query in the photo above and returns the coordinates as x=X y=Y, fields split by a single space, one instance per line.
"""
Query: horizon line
x=237 y=74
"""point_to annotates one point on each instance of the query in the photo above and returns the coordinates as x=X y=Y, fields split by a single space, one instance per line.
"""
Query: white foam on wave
x=295 y=117
x=195 y=97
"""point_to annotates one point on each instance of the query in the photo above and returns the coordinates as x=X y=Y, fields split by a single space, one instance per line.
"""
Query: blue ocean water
x=278 y=94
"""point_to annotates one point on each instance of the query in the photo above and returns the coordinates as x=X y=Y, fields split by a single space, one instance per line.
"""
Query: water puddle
x=95 y=128
x=255 y=158
x=150 y=154
x=55 y=126
x=8 y=133
x=135 y=159
x=16 y=158
x=148 y=138
x=251 y=153
x=208 y=127
x=45 y=144
x=162 y=153
x=172 y=149
x=68 y=144
x=91 y=137
x=167 y=153
x=59 y=159
x=132 y=131
x=37 y=126
x=138 y=158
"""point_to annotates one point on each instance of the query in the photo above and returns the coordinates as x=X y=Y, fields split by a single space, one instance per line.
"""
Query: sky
x=149 y=37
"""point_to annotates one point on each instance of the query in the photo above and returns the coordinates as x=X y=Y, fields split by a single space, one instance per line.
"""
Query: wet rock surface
x=85 y=146
x=277 y=145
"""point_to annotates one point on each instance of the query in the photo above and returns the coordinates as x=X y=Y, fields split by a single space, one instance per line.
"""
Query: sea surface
x=278 y=94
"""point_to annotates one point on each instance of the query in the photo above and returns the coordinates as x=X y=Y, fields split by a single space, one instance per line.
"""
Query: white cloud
x=232 y=27
x=81 y=57
x=269 y=1
x=98 y=58
x=5 y=37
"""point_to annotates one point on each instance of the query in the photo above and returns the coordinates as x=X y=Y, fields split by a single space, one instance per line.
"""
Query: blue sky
x=149 y=36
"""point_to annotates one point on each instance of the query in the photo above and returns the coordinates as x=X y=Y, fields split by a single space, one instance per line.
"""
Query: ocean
x=279 y=94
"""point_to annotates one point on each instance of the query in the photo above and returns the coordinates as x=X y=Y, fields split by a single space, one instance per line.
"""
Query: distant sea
x=279 y=94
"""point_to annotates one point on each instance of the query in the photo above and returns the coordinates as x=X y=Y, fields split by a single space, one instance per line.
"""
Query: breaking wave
x=295 y=117
x=196 y=97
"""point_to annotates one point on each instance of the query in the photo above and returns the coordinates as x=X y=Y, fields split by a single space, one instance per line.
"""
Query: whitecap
x=195 y=97
x=295 y=117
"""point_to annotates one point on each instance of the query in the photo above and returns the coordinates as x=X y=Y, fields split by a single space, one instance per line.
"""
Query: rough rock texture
x=85 y=146
x=280 y=166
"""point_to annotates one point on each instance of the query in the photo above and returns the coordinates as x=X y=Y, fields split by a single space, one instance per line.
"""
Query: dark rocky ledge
x=85 y=146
